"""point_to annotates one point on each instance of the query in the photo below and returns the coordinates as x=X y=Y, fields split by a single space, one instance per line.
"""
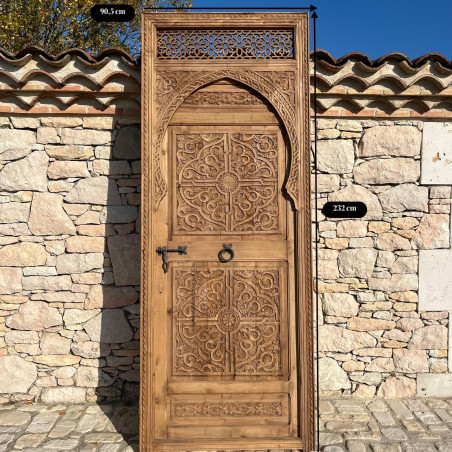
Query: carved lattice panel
x=225 y=44
x=227 y=182
x=227 y=321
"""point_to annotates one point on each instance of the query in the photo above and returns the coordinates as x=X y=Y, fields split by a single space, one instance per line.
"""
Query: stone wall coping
x=33 y=81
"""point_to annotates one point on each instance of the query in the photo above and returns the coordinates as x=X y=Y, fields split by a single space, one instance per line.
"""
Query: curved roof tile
x=352 y=85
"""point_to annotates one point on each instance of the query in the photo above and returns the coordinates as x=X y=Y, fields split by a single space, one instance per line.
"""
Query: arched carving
x=278 y=87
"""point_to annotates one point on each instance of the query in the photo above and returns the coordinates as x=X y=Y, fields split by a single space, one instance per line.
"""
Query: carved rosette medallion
x=227 y=182
x=227 y=322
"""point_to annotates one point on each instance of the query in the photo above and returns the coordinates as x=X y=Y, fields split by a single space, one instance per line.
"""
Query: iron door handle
x=163 y=251
x=227 y=248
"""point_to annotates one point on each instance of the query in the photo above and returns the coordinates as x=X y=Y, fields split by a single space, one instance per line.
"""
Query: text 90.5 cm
x=111 y=11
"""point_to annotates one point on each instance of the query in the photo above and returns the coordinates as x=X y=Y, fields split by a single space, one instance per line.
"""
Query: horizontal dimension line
x=226 y=8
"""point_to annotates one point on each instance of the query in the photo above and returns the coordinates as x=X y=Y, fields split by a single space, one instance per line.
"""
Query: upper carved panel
x=227 y=182
x=225 y=44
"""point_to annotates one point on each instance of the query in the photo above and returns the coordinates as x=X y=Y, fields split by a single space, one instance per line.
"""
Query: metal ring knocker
x=226 y=249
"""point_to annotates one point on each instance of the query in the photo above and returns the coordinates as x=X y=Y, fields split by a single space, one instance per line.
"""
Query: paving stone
x=427 y=418
x=385 y=448
x=42 y=423
x=356 y=446
x=60 y=444
x=394 y=434
x=15 y=418
x=384 y=418
x=5 y=439
x=400 y=409
x=30 y=440
x=103 y=437
x=329 y=438
x=62 y=428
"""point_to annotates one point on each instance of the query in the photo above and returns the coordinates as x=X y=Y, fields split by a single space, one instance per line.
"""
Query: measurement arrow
x=315 y=17
x=309 y=8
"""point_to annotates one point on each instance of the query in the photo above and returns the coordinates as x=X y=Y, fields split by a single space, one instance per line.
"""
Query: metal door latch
x=163 y=250
x=227 y=248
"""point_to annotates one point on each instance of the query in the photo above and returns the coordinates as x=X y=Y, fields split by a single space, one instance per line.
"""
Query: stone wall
x=69 y=246
x=70 y=228
x=375 y=338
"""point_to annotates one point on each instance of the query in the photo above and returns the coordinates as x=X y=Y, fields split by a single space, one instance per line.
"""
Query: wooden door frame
x=285 y=85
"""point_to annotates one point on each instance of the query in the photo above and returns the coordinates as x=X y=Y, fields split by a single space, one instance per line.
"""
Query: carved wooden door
x=226 y=345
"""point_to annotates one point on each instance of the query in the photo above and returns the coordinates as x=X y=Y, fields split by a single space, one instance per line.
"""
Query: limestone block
x=436 y=153
x=90 y=349
x=401 y=141
x=29 y=173
x=358 y=262
x=57 y=360
x=363 y=324
x=339 y=304
x=108 y=167
x=25 y=123
x=63 y=395
x=21 y=337
x=332 y=377
x=434 y=385
x=85 y=137
x=131 y=375
x=70 y=152
x=327 y=264
x=391 y=242
x=92 y=377
x=405 y=197
x=60 y=121
x=397 y=387
x=54 y=344
x=12 y=212
x=111 y=326
x=10 y=280
x=358 y=193
x=64 y=170
x=408 y=264
x=95 y=190
x=128 y=143
x=79 y=244
x=15 y=142
x=47 y=283
x=410 y=361
x=79 y=262
x=433 y=232
x=34 y=316
x=352 y=228
x=397 y=283
x=326 y=183
x=381 y=365
x=47 y=135
x=335 y=156
x=387 y=171
x=435 y=284
x=118 y=214
x=17 y=375
x=125 y=252
x=23 y=254
x=103 y=296
x=336 y=339
x=98 y=122
x=47 y=216
x=431 y=337
x=78 y=316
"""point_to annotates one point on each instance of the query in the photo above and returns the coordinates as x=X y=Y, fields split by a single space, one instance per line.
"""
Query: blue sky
x=373 y=27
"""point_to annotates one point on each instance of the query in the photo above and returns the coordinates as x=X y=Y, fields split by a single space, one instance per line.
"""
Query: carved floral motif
x=227 y=322
x=218 y=409
x=227 y=182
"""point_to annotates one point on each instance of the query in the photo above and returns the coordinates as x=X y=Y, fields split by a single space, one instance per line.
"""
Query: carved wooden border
x=165 y=86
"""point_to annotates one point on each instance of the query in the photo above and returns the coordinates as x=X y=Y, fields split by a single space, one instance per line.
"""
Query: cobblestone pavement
x=377 y=425
x=346 y=425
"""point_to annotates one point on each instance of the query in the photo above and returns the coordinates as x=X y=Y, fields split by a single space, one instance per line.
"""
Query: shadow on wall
x=116 y=328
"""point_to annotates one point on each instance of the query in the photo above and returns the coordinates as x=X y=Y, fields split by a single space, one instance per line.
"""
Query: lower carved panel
x=228 y=322
x=220 y=409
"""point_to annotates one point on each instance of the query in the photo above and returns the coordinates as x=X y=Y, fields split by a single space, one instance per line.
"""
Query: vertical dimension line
x=314 y=16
